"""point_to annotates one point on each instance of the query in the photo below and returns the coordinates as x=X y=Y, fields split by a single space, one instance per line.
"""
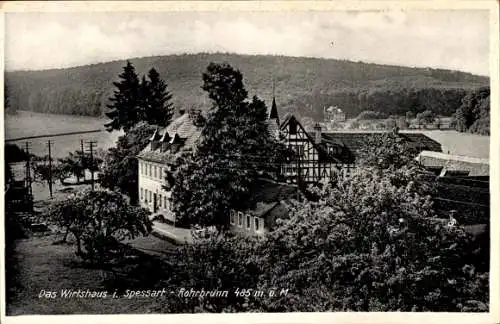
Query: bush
x=368 y=114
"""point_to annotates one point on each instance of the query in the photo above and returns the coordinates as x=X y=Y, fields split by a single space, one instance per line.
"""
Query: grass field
x=26 y=123
x=44 y=267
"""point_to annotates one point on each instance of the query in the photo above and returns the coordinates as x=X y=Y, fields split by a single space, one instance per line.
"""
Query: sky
x=457 y=40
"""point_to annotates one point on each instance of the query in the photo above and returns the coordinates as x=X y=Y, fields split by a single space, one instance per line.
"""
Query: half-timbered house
x=324 y=156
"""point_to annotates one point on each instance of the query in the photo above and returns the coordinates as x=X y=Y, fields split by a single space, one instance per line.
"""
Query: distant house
x=271 y=202
x=454 y=165
x=160 y=156
x=334 y=114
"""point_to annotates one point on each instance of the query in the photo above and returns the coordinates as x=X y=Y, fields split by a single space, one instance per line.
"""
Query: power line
x=52 y=135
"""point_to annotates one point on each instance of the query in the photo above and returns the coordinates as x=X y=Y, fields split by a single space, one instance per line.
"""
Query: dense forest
x=473 y=115
x=303 y=85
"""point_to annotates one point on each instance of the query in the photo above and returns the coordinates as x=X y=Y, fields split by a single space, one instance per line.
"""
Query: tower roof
x=274 y=111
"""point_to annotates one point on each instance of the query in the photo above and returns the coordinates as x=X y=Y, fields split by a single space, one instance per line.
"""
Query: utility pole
x=49 y=142
x=91 y=166
x=28 y=176
x=28 y=167
x=83 y=159
x=298 y=171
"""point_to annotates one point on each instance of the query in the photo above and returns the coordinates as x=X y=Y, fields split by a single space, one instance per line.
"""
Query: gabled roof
x=269 y=191
x=352 y=141
x=474 y=166
x=321 y=148
x=181 y=135
x=267 y=194
x=271 y=200
x=421 y=141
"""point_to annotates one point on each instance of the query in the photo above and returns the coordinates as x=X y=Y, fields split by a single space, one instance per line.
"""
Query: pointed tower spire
x=274 y=109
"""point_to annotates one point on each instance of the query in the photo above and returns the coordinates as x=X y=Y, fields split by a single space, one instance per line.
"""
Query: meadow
x=26 y=123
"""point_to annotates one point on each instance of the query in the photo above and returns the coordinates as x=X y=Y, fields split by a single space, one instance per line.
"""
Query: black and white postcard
x=250 y=161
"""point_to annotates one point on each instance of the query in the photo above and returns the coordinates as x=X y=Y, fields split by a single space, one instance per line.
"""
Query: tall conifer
x=158 y=107
x=125 y=102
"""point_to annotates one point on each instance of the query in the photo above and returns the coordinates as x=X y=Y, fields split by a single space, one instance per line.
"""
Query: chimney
x=317 y=133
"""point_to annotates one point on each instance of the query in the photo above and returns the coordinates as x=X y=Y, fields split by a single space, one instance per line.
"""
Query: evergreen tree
x=158 y=109
x=144 y=94
x=124 y=112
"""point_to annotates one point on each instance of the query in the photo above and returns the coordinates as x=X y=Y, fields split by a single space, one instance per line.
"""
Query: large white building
x=160 y=155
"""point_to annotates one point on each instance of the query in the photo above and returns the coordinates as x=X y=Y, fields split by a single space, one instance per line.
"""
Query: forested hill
x=303 y=85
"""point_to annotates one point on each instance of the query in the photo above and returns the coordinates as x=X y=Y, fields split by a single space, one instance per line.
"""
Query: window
x=142 y=194
x=240 y=219
x=148 y=169
x=233 y=217
x=165 y=202
x=257 y=225
x=154 y=171
x=248 y=222
x=159 y=203
x=297 y=149
x=160 y=173
x=150 y=195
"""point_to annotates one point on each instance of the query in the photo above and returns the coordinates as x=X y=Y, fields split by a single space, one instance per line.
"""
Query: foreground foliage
x=368 y=244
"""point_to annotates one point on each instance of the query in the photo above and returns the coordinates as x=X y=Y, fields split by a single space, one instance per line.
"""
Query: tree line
x=305 y=81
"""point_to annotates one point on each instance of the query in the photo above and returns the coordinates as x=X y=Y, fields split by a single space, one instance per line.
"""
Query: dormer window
x=165 y=139
x=155 y=140
x=174 y=139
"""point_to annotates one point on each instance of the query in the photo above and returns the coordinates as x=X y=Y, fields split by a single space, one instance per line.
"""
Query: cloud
x=416 y=38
